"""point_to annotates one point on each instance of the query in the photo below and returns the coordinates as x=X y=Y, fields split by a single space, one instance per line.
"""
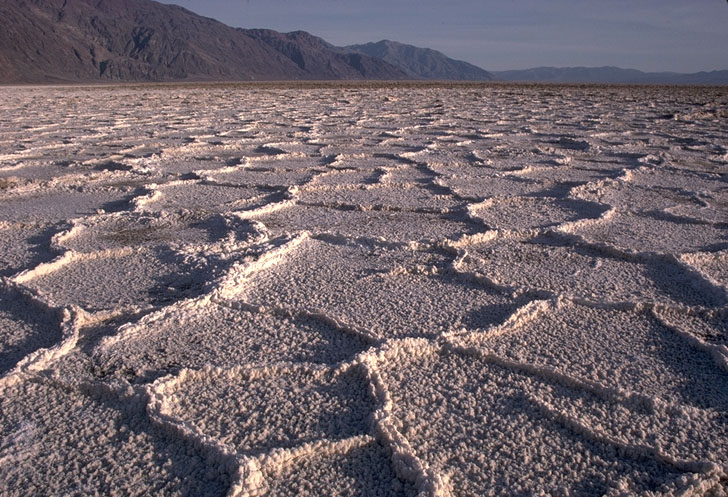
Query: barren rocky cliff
x=46 y=41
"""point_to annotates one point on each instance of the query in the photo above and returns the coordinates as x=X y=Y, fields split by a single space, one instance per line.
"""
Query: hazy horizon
x=651 y=36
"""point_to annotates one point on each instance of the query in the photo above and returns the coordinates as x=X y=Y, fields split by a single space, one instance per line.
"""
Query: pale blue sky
x=651 y=35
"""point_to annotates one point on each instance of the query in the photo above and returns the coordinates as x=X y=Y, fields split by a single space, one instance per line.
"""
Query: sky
x=651 y=35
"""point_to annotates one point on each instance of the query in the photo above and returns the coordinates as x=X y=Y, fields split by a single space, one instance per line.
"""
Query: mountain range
x=422 y=63
x=70 y=41
x=50 y=41
x=609 y=74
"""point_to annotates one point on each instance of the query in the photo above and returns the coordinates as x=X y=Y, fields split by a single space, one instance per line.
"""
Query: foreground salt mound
x=404 y=173
x=191 y=195
x=507 y=213
x=68 y=440
x=473 y=422
x=262 y=176
x=388 y=292
x=201 y=331
x=577 y=172
x=391 y=227
x=389 y=198
x=127 y=262
x=61 y=204
x=71 y=191
x=362 y=469
x=270 y=407
x=123 y=230
x=341 y=178
x=478 y=187
x=635 y=196
x=630 y=350
x=112 y=279
x=647 y=232
x=709 y=211
x=559 y=266
x=684 y=181
x=257 y=290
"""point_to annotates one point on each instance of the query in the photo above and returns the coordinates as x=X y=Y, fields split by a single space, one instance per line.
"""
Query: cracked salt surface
x=426 y=290
x=475 y=424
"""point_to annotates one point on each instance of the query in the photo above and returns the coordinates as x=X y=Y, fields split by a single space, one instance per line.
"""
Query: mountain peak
x=422 y=63
x=45 y=41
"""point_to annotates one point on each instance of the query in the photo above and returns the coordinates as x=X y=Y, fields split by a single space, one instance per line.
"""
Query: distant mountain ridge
x=610 y=74
x=71 y=41
x=59 y=41
x=422 y=63
x=47 y=41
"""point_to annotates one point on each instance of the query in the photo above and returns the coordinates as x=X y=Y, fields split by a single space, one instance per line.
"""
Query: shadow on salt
x=479 y=424
x=25 y=326
x=626 y=350
x=107 y=436
x=275 y=407
x=25 y=245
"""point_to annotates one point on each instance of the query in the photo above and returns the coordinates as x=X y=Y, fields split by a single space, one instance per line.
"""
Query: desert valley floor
x=375 y=290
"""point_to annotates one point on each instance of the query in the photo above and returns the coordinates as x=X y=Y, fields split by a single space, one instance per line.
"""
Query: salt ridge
x=238 y=264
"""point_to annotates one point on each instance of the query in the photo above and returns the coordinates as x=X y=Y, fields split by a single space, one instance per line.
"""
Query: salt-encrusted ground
x=269 y=290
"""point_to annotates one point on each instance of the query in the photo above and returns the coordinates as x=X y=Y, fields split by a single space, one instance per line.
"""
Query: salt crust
x=486 y=290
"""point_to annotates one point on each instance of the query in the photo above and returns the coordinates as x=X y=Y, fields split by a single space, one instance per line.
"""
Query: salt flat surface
x=363 y=290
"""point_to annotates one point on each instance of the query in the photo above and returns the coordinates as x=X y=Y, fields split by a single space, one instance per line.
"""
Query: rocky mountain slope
x=46 y=41
x=422 y=63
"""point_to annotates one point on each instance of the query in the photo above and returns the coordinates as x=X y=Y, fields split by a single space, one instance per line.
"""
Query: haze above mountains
x=67 y=41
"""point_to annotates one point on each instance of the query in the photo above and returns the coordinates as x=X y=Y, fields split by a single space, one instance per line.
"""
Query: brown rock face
x=422 y=63
x=47 y=41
